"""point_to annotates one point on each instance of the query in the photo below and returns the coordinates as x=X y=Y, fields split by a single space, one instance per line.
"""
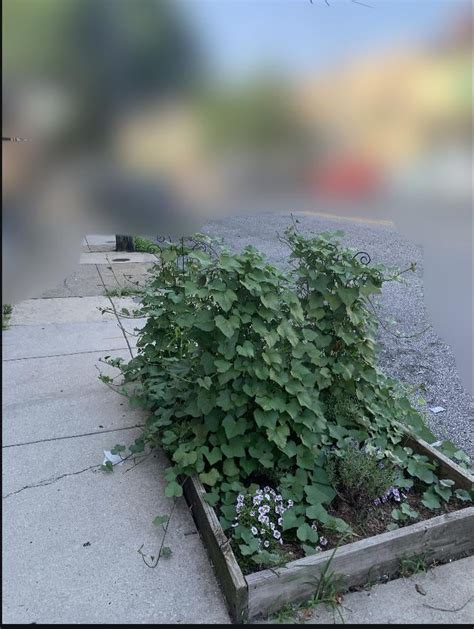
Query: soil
x=376 y=519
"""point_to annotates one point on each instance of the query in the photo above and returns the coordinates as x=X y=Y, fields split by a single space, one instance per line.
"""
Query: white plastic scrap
x=115 y=459
x=437 y=409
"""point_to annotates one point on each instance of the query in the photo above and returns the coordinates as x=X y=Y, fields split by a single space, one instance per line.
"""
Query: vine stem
x=397 y=336
x=165 y=531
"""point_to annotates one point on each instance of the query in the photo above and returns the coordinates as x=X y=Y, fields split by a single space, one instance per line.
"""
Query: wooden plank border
x=440 y=538
x=227 y=570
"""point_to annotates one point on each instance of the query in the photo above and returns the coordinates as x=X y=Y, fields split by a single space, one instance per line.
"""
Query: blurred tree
x=108 y=54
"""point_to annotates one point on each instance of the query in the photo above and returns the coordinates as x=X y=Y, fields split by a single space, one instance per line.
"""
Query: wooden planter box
x=440 y=538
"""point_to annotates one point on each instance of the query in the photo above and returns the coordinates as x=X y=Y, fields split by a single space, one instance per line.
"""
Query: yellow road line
x=352 y=219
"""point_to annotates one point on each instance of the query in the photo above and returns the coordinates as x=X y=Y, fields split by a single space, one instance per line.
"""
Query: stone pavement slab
x=54 y=339
x=83 y=281
x=62 y=396
x=65 y=310
x=70 y=546
x=99 y=239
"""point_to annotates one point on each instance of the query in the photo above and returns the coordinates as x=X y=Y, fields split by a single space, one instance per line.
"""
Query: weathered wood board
x=222 y=557
x=440 y=538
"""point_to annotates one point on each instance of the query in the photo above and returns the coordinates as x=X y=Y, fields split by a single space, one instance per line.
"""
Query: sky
x=301 y=37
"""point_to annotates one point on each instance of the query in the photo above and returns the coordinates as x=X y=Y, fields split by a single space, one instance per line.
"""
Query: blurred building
x=381 y=113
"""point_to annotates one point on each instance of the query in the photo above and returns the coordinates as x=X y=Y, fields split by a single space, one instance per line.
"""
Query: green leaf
x=397 y=515
x=306 y=534
x=209 y=478
x=161 y=519
x=430 y=500
x=173 y=489
x=234 y=448
x=317 y=512
x=107 y=467
x=227 y=326
x=117 y=448
x=205 y=382
x=290 y=519
x=318 y=494
x=446 y=482
x=308 y=550
x=213 y=456
x=166 y=552
x=233 y=427
x=421 y=471
x=408 y=511
x=444 y=492
x=270 y=300
x=230 y=468
x=247 y=349
x=225 y=299
x=462 y=494
x=211 y=498
x=222 y=365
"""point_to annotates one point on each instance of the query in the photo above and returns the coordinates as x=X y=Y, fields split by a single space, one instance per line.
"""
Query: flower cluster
x=392 y=493
x=262 y=512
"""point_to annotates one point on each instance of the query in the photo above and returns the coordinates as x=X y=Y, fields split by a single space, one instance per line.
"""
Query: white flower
x=314 y=526
x=266 y=489
x=266 y=543
x=254 y=530
x=267 y=496
x=272 y=526
x=276 y=534
x=323 y=541
x=290 y=503
x=280 y=521
x=261 y=518
x=252 y=513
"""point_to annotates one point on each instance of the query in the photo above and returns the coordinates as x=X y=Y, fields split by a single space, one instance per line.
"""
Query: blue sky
x=304 y=37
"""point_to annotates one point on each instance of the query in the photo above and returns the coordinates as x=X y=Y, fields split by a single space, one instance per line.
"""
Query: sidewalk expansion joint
x=85 y=434
x=90 y=351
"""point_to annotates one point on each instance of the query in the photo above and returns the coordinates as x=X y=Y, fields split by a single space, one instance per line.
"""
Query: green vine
x=245 y=371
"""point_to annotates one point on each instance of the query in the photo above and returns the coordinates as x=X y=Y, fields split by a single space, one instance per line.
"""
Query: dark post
x=124 y=243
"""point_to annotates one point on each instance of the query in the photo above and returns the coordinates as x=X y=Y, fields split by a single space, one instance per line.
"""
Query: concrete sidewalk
x=70 y=531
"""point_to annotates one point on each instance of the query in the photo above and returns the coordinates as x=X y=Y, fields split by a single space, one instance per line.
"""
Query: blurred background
x=149 y=116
